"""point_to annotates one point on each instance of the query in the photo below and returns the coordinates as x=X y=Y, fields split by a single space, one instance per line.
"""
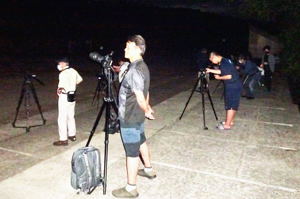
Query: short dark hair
x=214 y=53
x=267 y=47
x=242 y=56
x=63 y=59
x=139 y=41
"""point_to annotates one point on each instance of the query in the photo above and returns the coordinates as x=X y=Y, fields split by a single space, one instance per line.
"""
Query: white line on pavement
x=14 y=151
x=226 y=177
x=239 y=142
x=264 y=122
x=276 y=123
x=258 y=106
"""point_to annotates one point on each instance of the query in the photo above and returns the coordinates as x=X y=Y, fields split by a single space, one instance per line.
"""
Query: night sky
x=54 y=28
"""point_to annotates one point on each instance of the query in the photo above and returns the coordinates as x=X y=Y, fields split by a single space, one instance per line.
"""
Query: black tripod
x=217 y=86
x=26 y=91
x=110 y=127
x=202 y=88
x=101 y=87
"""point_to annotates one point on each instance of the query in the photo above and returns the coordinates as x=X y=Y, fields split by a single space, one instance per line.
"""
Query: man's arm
x=61 y=84
x=144 y=104
x=147 y=100
x=78 y=78
x=214 y=71
x=224 y=77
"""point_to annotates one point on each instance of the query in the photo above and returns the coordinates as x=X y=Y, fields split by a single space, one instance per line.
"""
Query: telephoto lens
x=96 y=57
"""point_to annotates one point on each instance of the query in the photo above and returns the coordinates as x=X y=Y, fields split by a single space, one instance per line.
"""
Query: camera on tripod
x=105 y=83
x=105 y=60
x=202 y=72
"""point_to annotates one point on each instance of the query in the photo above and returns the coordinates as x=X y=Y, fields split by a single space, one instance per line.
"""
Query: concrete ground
x=258 y=158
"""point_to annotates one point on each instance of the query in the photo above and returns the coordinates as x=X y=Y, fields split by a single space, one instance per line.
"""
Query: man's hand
x=60 y=90
x=116 y=68
x=149 y=114
x=217 y=76
x=208 y=70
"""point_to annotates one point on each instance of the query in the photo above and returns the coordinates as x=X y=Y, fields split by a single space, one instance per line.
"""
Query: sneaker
x=150 y=175
x=72 y=138
x=123 y=193
x=60 y=143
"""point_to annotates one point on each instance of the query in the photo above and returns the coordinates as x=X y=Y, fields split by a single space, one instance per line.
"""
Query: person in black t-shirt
x=133 y=108
x=233 y=87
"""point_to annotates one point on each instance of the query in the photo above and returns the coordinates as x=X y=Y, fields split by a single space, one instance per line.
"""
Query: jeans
x=250 y=84
x=132 y=137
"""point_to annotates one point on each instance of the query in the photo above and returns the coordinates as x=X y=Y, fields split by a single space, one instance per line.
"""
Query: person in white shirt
x=69 y=78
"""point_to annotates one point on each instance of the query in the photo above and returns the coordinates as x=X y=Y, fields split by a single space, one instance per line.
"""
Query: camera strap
x=124 y=73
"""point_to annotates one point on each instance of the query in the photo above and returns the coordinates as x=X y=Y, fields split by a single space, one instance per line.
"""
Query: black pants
x=268 y=80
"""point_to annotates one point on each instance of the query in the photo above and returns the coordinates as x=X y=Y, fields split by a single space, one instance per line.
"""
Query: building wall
x=257 y=40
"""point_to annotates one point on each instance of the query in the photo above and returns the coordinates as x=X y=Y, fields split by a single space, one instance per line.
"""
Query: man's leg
x=247 y=87
x=131 y=141
x=148 y=171
x=71 y=120
x=132 y=165
x=62 y=122
x=62 y=118
x=145 y=153
x=230 y=114
x=268 y=80
x=250 y=87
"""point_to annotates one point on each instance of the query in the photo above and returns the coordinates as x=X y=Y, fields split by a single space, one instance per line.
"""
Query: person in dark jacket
x=268 y=64
x=232 y=86
x=251 y=76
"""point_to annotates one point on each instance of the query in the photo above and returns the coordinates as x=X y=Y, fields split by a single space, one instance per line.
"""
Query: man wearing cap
x=69 y=78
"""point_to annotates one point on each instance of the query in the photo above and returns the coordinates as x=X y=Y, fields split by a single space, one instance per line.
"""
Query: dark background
x=37 y=29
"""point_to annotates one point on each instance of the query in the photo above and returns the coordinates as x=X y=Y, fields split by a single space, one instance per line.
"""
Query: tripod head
x=106 y=63
x=105 y=83
x=28 y=77
x=202 y=72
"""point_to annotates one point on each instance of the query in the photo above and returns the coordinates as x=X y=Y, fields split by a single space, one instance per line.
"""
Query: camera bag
x=71 y=96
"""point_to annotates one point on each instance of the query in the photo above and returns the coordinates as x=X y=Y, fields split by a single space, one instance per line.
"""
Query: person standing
x=69 y=78
x=133 y=108
x=232 y=85
x=268 y=64
x=251 y=76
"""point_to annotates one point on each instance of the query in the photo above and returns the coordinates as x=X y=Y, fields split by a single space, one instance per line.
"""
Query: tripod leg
x=212 y=104
x=203 y=111
x=96 y=123
x=37 y=102
x=96 y=93
x=195 y=86
x=219 y=83
x=19 y=104
x=115 y=107
x=106 y=141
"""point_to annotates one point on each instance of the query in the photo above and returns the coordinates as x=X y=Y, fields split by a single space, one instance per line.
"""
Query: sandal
x=223 y=123
x=221 y=127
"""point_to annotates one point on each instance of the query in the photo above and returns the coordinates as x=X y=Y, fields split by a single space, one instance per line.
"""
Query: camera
x=202 y=72
x=105 y=60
